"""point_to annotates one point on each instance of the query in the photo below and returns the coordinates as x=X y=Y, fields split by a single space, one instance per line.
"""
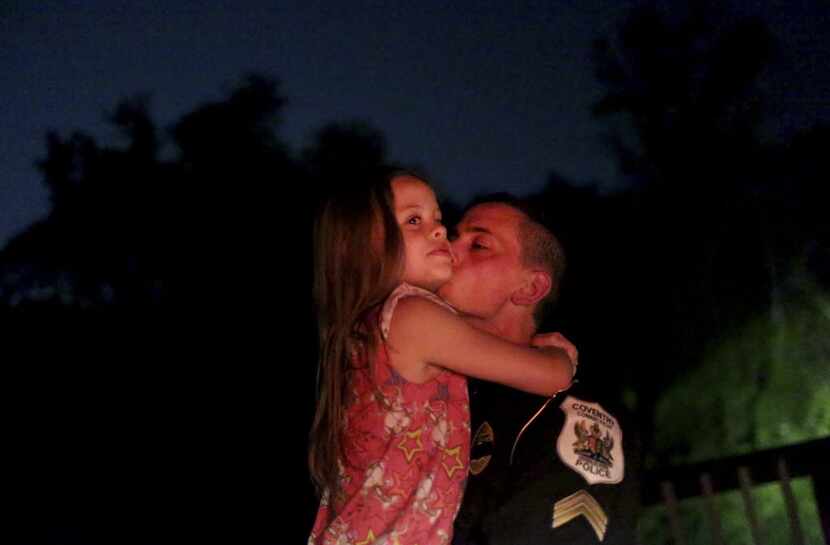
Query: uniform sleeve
x=544 y=499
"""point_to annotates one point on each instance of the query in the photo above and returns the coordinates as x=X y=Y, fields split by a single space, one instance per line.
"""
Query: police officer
x=560 y=470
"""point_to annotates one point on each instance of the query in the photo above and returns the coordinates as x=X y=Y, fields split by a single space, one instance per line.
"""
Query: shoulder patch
x=590 y=442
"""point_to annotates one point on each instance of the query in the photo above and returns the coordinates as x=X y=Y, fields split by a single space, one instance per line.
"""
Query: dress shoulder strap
x=406 y=290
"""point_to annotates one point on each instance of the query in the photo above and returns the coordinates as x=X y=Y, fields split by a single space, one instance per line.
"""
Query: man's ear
x=536 y=287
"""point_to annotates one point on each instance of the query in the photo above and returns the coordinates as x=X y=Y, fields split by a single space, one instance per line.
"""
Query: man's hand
x=557 y=340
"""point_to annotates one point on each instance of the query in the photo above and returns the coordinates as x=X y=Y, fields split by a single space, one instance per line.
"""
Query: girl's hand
x=557 y=340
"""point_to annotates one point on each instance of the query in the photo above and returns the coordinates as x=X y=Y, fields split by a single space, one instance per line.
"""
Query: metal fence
x=707 y=479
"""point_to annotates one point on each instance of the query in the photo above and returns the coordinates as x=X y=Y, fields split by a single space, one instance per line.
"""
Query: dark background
x=157 y=329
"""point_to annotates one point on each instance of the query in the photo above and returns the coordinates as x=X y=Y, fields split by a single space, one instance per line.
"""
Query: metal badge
x=482 y=446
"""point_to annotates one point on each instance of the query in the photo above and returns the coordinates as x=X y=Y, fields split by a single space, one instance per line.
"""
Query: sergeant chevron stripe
x=580 y=503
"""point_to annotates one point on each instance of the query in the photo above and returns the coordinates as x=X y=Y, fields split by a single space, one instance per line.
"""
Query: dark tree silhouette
x=180 y=332
x=342 y=151
x=166 y=302
x=677 y=261
x=711 y=223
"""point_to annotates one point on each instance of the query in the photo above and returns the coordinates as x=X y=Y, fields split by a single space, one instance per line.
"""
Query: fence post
x=671 y=507
x=789 y=501
x=712 y=508
x=821 y=491
x=749 y=504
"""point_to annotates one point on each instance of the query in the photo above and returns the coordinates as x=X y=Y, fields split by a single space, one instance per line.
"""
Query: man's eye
x=414 y=220
x=478 y=246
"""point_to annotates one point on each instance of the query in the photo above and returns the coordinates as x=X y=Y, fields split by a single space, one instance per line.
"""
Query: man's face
x=488 y=266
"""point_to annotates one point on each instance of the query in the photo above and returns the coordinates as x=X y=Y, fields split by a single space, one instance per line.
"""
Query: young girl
x=391 y=437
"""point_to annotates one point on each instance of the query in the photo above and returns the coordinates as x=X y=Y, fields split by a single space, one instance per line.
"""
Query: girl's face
x=428 y=258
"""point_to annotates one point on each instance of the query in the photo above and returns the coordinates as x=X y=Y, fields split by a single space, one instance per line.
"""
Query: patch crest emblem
x=590 y=442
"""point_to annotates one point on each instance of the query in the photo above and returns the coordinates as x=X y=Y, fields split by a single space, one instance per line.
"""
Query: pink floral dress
x=408 y=447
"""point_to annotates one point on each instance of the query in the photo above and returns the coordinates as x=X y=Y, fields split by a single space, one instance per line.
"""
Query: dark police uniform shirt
x=563 y=470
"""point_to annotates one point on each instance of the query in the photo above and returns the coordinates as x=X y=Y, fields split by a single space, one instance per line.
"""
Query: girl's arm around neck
x=424 y=338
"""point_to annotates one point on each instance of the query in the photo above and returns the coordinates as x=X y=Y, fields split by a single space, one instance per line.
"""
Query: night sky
x=485 y=97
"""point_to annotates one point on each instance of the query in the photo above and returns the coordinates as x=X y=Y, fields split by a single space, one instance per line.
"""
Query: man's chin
x=446 y=293
x=450 y=295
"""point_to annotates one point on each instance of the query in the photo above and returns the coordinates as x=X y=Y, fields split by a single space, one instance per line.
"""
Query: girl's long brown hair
x=358 y=253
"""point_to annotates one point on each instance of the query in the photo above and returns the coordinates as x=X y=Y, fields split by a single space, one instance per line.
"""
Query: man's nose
x=457 y=252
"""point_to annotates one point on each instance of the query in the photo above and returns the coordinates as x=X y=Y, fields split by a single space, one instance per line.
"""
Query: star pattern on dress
x=409 y=437
x=455 y=455
x=370 y=538
x=399 y=484
x=413 y=432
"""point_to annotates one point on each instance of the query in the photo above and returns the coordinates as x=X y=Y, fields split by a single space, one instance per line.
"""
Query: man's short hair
x=539 y=246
